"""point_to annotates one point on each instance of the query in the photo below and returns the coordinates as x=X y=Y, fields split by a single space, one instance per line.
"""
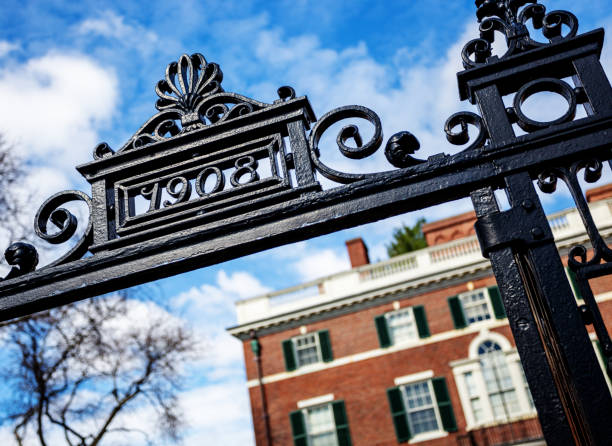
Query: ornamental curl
x=66 y=222
x=347 y=132
x=398 y=149
x=461 y=137
x=547 y=182
x=509 y=17
x=23 y=258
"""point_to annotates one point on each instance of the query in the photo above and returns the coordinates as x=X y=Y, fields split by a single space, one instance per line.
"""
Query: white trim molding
x=473 y=366
x=315 y=401
x=407 y=379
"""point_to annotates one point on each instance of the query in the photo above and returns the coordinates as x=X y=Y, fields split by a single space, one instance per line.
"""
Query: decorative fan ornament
x=187 y=82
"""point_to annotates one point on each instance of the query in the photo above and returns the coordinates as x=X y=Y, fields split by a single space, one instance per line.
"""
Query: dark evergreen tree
x=407 y=239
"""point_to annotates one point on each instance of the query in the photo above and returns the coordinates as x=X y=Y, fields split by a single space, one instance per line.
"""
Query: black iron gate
x=160 y=205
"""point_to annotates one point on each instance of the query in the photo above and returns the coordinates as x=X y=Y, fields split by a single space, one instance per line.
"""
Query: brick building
x=414 y=349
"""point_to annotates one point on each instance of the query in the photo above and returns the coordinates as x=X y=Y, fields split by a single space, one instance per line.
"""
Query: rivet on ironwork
x=522 y=324
x=511 y=113
x=537 y=233
x=586 y=314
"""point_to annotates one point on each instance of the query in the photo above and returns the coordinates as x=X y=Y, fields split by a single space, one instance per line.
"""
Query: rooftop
x=458 y=258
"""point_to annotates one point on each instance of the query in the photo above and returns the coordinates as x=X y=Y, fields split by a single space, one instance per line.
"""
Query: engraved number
x=203 y=176
x=246 y=165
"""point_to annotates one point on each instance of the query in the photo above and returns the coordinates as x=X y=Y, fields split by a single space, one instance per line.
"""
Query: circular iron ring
x=551 y=85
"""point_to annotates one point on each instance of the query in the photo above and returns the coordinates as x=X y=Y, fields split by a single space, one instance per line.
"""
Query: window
x=498 y=381
x=307 y=349
x=322 y=425
x=406 y=324
x=421 y=409
x=491 y=383
x=475 y=402
x=476 y=306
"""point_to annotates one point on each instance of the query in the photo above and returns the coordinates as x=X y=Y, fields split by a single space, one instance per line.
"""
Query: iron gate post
x=568 y=388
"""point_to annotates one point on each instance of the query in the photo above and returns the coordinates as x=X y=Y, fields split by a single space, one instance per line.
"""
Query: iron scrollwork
x=510 y=18
x=23 y=257
x=66 y=222
x=578 y=257
x=462 y=119
x=398 y=150
x=400 y=147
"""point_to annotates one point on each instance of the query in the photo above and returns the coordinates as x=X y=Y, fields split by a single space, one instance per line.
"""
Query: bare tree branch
x=83 y=365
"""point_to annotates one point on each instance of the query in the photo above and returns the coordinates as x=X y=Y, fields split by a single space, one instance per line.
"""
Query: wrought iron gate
x=160 y=205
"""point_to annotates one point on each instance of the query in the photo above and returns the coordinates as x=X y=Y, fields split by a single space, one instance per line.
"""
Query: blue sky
x=73 y=74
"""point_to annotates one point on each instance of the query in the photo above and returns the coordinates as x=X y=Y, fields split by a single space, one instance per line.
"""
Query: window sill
x=309 y=367
x=426 y=436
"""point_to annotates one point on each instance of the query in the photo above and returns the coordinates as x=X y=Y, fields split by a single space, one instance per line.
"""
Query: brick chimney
x=358 y=252
x=599 y=193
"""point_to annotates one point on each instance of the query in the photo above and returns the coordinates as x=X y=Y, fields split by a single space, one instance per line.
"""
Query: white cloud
x=220 y=298
x=7 y=47
x=321 y=263
x=113 y=26
x=54 y=106
x=240 y=284
x=211 y=309
x=218 y=411
x=218 y=414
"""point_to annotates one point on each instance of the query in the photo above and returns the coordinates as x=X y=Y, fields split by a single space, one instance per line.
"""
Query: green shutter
x=325 y=343
x=444 y=404
x=398 y=414
x=383 y=332
x=574 y=283
x=298 y=428
x=289 y=355
x=457 y=312
x=342 y=428
x=496 y=301
x=421 y=321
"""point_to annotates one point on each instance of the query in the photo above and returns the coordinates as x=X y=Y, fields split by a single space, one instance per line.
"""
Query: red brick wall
x=362 y=385
x=356 y=332
x=452 y=228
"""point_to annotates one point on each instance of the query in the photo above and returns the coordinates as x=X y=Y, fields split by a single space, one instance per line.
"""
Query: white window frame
x=317 y=345
x=472 y=364
x=409 y=340
x=417 y=378
x=305 y=410
x=487 y=300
